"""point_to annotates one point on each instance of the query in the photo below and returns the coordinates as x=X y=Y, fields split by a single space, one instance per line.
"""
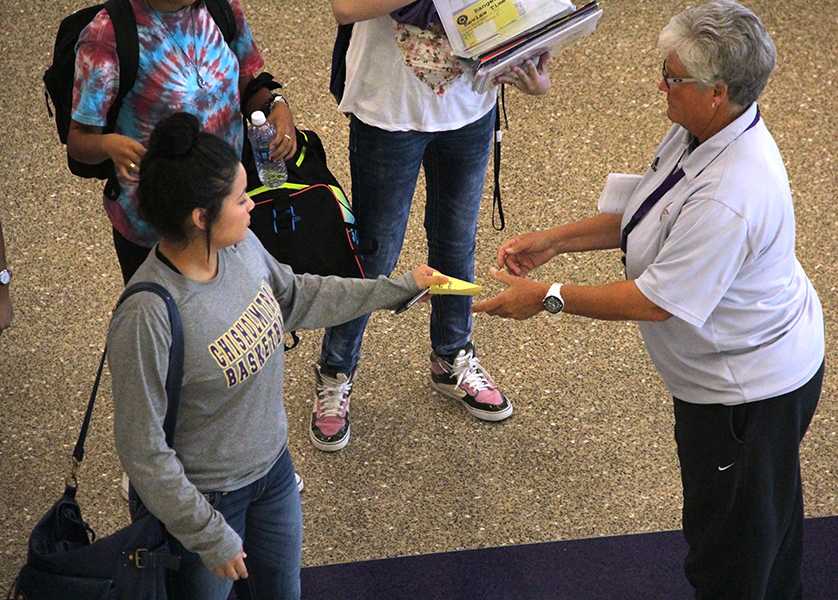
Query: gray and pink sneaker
x=465 y=379
x=330 y=428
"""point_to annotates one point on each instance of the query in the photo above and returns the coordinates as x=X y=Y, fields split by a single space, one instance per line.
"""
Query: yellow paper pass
x=483 y=19
x=456 y=287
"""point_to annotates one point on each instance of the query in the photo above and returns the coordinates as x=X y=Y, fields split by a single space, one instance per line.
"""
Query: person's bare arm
x=284 y=145
x=523 y=253
x=89 y=145
x=618 y=301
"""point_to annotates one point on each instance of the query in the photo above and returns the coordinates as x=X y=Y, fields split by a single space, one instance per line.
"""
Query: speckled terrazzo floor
x=589 y=450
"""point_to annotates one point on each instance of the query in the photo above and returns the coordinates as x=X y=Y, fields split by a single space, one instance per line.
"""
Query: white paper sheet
x=618 y=189
x=531 y=13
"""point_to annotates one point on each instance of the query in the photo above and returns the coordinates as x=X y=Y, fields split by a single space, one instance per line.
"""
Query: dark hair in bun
x=183 y=169
x=176 y=135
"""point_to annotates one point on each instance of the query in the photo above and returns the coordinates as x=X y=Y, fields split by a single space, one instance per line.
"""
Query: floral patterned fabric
x=429 y=55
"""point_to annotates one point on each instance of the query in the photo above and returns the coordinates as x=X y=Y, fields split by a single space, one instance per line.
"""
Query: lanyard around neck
x=667 y=184
x=189 y=60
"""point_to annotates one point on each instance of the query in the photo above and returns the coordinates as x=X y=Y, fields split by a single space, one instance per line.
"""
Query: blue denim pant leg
x=384 y=167
x=455 y=170
x=268 y=517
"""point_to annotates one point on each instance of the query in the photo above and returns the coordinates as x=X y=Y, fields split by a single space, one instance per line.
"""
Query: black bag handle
x=174 y=377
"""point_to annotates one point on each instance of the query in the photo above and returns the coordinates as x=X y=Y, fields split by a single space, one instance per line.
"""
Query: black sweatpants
x=743 y=498
x=129 y=255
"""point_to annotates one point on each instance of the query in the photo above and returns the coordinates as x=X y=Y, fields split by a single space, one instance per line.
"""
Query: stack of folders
x=552 y=35
x=495 y=35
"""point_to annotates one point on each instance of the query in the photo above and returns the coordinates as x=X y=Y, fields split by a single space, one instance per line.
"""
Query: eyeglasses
x=670 y=81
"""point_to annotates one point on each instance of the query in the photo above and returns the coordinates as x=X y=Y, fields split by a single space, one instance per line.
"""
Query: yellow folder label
x=456 y=287
x=481 y=20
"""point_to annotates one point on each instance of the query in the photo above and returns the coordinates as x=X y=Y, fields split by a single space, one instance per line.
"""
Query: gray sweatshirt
x=231 y=424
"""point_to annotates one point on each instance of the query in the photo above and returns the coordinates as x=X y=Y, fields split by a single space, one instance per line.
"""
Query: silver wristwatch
x=277 y=99
x=553 y=301
x=5 y=277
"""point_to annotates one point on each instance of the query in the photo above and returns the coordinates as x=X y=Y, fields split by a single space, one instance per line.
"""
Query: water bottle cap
x=257 y=117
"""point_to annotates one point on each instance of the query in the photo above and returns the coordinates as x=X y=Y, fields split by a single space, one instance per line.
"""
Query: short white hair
x=722 y=41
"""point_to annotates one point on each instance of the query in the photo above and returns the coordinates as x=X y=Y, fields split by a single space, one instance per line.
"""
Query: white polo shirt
x=717 y=252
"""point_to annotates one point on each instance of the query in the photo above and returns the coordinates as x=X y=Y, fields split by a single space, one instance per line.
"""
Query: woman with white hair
x=730 y=319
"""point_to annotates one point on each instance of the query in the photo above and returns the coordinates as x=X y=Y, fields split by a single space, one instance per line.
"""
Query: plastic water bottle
x=273 y=173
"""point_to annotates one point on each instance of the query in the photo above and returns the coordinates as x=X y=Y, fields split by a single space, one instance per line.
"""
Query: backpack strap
x=337 y=75
x=174 y=377
x=222 y=13
x=128 y=52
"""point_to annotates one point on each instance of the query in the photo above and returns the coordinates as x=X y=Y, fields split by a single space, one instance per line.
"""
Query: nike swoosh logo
x=727 y=467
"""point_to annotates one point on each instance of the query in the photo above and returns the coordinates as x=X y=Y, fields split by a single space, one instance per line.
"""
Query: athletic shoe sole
x=330 y=446
x=455 y=393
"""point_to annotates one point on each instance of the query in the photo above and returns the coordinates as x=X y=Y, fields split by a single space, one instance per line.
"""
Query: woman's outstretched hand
x=521 y=299
x=522 y=254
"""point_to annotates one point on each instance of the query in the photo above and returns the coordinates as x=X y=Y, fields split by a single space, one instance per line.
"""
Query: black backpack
x=307 y=223
x=58 y=78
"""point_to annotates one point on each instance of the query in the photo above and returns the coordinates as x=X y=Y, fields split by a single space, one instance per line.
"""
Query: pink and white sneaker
x=465 y=379
x=330 y=429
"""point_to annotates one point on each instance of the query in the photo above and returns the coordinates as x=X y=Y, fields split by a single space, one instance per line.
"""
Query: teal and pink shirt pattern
x=174 y=49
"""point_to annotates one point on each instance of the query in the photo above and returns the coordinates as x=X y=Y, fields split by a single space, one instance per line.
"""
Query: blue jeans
x=267 y=516
x=384 y=167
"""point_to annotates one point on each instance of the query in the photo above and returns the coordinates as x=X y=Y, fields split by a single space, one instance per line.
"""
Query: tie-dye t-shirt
x=175 y=49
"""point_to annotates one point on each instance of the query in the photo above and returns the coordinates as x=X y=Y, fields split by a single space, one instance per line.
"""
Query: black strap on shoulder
x=127 y=50
x=174 y=377
x=222 y=13
x=337 y=75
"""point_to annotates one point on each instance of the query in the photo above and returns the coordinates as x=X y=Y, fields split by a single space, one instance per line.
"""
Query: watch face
x=553 y=304
x=5 y=277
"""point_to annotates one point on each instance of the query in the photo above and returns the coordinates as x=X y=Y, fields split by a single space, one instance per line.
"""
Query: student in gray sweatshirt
x=226 y=491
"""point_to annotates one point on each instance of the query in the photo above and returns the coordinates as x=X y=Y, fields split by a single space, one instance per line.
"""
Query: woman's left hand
x=284 y=145
x=522 y=298
x=531 y=77
x=426 y=276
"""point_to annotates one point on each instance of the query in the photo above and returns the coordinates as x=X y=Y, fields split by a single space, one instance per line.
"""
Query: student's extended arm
x=350 y=11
